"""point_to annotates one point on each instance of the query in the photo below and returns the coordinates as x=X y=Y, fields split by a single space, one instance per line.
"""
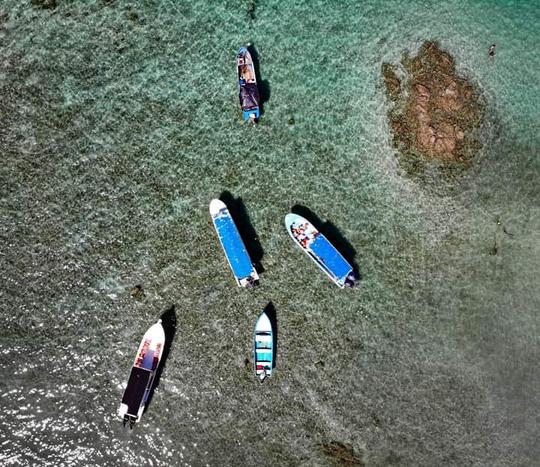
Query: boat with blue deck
x=142 y=375
x=247 y=84
x=263 y=347
x=235 y=251
x=320 y=250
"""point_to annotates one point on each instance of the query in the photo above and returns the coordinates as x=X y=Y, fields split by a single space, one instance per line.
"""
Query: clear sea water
x=119 y=122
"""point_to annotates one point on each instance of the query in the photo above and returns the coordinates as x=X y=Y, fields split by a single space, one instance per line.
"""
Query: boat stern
x=351 y=280
x=122 y=411
x=250 y=281
x=251 y=115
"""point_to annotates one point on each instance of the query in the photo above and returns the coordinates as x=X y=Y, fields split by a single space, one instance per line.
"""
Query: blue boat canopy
x=330 y=258
x=234 y=246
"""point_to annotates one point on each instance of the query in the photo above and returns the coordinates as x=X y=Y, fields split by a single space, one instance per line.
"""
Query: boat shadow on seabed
x=239 y=214
x=270 y=311
x=262 y=85
x=168 y=321
x=332 y=233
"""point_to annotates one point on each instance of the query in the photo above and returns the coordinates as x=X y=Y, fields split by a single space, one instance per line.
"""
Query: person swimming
x=491 y=51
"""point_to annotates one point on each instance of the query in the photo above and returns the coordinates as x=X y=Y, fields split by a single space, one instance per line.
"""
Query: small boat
x=247 y=84
x=142 y=375
x=320 y=250
x=263 y=347
x=235 y=251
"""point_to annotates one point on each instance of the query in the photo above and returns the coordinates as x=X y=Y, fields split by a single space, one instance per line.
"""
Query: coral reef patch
x=436 y=112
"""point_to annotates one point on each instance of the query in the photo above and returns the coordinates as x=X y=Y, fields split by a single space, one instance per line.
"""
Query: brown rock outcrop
x=435 y=111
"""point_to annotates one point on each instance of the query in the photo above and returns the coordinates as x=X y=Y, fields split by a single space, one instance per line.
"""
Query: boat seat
x=263 y=347
x=264 y=357
x=263 y=340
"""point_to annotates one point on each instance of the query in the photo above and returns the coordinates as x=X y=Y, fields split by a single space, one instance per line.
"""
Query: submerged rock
x=45 y=4
x=435 y=111
x=137 y=293
x=251 y=9
x=339 y=454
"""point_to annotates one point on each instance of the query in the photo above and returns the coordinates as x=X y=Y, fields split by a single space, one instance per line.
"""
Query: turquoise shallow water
x=120 y=122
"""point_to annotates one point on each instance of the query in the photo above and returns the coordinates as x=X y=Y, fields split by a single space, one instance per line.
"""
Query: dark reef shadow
x=251 y=6
x=270 y=311
x=240 y=217
x=168 y=321
x=332 y=233
x=263 y=85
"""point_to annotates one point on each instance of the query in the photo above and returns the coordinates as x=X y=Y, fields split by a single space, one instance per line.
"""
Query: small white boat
x=320 y=250
x=142 y=375
x=263 y=347
x=235 y=251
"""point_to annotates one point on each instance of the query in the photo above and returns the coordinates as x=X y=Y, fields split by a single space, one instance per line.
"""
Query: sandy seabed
x=119 y=122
